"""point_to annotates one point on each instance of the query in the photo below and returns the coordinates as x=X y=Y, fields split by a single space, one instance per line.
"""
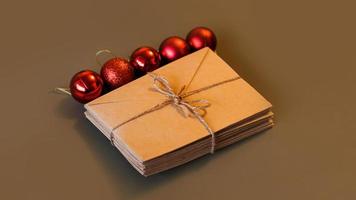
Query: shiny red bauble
x=201 y=37
x=173 y=48
x=86 y=86
x=145 y=59
x=117 y=72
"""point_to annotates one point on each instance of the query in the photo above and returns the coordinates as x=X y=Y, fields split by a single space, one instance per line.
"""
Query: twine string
x=187 y=108
x=196 y=71
x=194 y=108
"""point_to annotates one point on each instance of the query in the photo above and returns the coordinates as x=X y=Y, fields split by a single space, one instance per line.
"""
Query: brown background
x=299 y=54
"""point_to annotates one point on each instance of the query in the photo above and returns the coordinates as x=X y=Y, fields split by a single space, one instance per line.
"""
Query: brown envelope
x=166 y=130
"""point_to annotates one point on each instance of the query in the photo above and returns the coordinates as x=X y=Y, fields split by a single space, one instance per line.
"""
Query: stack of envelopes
x=164 y=138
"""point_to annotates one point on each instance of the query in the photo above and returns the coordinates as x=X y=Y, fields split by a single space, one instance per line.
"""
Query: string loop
x=63 y=91
x=101 y=52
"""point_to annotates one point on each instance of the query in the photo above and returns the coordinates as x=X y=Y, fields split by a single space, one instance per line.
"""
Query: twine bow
x=195 y=108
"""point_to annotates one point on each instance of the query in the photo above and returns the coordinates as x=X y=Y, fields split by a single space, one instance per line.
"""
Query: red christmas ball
x=117 y=72
x=201 y=37
x=86 y=86
x=173 y=48
x=145 y=59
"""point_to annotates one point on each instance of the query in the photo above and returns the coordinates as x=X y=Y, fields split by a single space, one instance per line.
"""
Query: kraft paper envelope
x=166 y=130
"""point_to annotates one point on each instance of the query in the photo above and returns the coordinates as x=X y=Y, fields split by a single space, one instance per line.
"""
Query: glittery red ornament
x=117 y=72
x=145 y=59
x=173 y=48
x=201 y=37
x=86 y=86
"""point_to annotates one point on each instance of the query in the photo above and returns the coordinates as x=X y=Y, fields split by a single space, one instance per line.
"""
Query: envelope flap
x=211 y=70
